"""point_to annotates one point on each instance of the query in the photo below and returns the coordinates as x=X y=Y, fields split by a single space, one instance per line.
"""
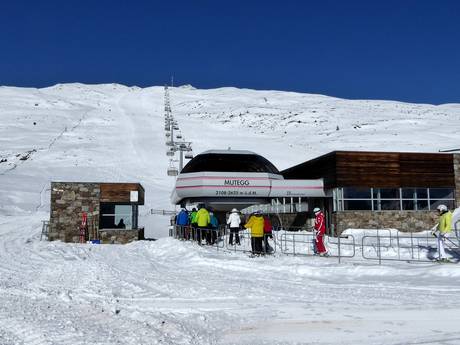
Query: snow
x=174 y=292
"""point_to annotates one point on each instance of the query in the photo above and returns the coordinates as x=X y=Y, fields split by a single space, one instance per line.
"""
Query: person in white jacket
x=234 y=222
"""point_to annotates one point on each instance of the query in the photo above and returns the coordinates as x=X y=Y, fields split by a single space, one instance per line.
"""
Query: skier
x=193 y=224
x=202 y=220
x=212 y=232
x=256 y=224
x=234 y=222
x=182 y=222
x=320 y=230
x=443 y=229
x=267 y=234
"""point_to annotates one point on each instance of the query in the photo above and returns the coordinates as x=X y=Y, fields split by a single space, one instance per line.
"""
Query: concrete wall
x=408 y=221
x=68 y=201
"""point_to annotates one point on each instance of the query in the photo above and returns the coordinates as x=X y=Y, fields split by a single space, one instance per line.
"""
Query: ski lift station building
x=356 y=189
x=111 y=209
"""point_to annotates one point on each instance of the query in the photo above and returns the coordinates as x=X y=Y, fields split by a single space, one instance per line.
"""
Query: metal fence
x=420 y=247
x=385 y=245
x=303 y=243
x=220 y=239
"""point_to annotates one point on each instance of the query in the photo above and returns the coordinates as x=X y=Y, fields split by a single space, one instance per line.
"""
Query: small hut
x=105 y=212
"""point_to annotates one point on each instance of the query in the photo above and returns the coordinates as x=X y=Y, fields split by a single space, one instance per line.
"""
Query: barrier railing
x=220 y=239
x=417 y=247
x=421 y=247
x=268 y=243
x=302 y=243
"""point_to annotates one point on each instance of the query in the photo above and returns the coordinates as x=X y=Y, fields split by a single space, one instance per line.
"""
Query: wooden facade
x=121 y=192
x=378 y=169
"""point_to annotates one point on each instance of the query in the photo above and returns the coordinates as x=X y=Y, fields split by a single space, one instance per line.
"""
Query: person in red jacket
x=320 y=230
x=267 y=233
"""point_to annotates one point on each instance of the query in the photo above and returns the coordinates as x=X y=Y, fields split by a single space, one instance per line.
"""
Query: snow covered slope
x=76 y=132
x=174 y=292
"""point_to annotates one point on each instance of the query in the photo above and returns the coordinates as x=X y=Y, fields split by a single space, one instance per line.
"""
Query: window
x=422 y=193
x=396 y=199
x=387 y=205
x=356 y=193
x=355 y=198
x=408 y=193
x=118 y=216
x=357 y=205
x=223 y=162
x=387 y=193
x=435 y=203
x=441 y=193
x=422 y=205
x=408 y=205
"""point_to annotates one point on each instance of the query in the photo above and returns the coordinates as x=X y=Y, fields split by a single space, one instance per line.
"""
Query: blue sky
x=399 y=50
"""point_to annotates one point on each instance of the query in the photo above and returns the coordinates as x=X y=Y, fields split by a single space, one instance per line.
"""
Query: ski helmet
x=316 y=210
x=442 y=208
x=234 y=210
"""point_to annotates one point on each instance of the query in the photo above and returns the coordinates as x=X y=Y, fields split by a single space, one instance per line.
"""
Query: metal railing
x=300 y=241
x=419 y=247
x=220 y=238
x=303 y=243
x=268 y=243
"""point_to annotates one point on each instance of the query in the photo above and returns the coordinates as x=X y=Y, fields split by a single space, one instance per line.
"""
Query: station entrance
x=222 y=180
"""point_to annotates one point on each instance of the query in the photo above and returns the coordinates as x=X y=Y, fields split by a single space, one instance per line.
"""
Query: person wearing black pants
x=203 y=221
x=234 y=221
x=256 y=245
x=256 y=224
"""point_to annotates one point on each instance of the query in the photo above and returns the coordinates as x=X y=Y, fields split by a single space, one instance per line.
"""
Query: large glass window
x=382 y=199
x=116 y=216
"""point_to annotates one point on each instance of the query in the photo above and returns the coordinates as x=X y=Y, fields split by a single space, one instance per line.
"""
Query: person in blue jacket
x=212 y=235
x=182 y=221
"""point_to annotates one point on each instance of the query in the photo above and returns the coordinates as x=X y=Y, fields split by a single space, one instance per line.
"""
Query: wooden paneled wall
x=378 y=169
x=120 y=192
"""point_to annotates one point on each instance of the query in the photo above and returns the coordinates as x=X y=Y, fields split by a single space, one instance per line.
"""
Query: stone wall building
x=111 y=210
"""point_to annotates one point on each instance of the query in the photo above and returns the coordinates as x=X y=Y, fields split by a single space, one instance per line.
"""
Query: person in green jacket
x=256 y=224
x=192 y=221
x=203 y=220
x=443 y=229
